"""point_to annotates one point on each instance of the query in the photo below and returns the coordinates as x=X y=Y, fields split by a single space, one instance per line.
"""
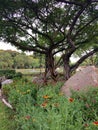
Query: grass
x=5 y=122
x=35 y=71
x=30 y=71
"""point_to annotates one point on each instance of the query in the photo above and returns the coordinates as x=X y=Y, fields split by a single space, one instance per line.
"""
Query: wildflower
x=71 y=99
x=36 y=104
x=87 y=105
x=44 y=104
x=56 y=104
x=27 y=117
x=86 y=125
x=95 y=123
x=46 y=97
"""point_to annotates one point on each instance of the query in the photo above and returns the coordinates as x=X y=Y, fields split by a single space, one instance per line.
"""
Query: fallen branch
x=4 y=101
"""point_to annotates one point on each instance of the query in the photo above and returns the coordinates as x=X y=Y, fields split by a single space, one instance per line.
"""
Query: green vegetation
x=15 y=60
x=45 y=108
x=6 y=120
x=30 y=71
x=10 y=74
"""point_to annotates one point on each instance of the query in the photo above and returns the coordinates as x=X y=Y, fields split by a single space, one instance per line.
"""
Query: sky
x=6 y=46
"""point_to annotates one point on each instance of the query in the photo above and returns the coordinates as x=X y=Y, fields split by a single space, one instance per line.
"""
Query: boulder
x=7 y=81
x=38 y=80
x=81 y=81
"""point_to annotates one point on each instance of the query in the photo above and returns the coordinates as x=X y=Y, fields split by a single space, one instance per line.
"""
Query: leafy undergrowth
x=6 y=121
x=45 y=108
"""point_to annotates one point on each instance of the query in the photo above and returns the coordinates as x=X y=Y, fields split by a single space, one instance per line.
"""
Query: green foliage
x=6 y=118
x=10 y=73
x=6 y=60
x=46 y=108
x=12 y=60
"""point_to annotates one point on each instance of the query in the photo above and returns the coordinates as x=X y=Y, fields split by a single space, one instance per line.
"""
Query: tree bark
x=67 y=69
x=50 y=67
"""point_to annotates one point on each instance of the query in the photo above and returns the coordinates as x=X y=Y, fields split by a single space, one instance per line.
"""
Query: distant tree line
x=14 y=60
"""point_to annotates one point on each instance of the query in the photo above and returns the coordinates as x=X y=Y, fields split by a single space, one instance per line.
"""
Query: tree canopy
x=51 y=26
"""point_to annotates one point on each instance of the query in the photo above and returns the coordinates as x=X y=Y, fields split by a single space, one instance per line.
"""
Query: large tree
x=51 y=26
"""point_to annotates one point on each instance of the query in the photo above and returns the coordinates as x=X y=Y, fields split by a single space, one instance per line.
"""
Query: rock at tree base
x=82 y=80
x=38 y=80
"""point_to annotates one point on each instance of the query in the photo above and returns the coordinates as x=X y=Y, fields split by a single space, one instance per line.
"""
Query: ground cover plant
x=46 y=108
x=6 y=118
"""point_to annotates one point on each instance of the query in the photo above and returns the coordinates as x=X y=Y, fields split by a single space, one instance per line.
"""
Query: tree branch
x=70 y=41
x=83 y=58
x=76 y=18
x=87 y=24
x=29 y=26
x=29 y=48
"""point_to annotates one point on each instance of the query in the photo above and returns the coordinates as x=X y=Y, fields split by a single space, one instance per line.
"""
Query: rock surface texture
x=82 y=80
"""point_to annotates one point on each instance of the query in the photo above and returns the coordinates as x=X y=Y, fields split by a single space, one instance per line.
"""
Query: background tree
x=12 y=60
x=6 y=60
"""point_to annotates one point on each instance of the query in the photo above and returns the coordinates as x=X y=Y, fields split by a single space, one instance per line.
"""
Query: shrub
x=10 y=73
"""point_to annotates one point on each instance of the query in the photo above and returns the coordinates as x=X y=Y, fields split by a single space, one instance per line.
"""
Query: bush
x=10 y=73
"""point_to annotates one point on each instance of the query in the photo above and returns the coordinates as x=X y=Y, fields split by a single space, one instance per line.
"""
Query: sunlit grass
x=30 y=71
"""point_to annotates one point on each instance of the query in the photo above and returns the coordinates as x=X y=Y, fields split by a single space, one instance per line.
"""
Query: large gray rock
x=82 y=80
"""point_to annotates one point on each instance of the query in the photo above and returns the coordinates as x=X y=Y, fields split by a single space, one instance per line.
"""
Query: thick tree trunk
x=67 y=69
x=50 y=67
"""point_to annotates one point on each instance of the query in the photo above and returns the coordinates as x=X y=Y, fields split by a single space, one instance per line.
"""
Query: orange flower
x=27 y=117
x=95 y=123
x=56 y=104
x=71 y=99
x=44 y=104
x=46 y=97
x=86 y=125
